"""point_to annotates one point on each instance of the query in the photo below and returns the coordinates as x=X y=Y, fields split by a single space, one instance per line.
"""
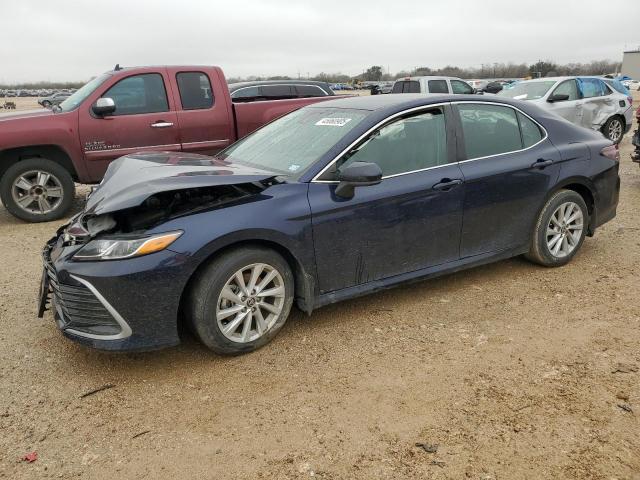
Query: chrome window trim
x=368 y=132
x=426 y=107
x=324 y=94
x=126 y=329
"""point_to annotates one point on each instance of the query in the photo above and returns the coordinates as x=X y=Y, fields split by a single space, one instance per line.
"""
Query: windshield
x=294 y=142
x=527 y=90
x=83 y=92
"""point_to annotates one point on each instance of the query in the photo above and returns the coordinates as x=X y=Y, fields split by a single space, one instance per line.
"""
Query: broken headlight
x=118 y=248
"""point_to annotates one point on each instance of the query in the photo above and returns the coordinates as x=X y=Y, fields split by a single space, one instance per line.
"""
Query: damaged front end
x=123 y=219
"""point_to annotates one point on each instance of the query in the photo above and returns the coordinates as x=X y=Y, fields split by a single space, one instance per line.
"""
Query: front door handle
x=161 y=124
x=541 y=163
x=447 y=184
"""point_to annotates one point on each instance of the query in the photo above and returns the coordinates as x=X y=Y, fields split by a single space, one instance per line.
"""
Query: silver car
x=586 y=101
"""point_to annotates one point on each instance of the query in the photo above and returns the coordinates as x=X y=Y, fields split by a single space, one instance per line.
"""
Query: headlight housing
x=117 y=248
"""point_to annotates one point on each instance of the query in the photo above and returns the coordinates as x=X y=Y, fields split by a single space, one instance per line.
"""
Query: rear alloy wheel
x=560 y=230
x=614 y=129
x=37 y=190
x=241 y=300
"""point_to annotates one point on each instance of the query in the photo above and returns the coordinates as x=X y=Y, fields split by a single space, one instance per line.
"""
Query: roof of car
x=428 y=77
x=237 y=85
x=401 y=101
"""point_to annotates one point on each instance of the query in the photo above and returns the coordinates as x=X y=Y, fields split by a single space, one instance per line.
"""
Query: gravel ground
x=505 y=371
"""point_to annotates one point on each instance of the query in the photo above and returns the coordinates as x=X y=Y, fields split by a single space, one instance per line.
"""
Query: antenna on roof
x=117 y=67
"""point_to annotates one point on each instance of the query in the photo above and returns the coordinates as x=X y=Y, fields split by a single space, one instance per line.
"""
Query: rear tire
x=37 y=190
x=560 y=229
x=231 y=320
x=613 y=129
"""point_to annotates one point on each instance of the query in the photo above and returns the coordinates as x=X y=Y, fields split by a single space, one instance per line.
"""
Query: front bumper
x=122 y=305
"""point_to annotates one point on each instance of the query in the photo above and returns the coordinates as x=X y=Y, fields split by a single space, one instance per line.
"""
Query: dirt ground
x=508 y=371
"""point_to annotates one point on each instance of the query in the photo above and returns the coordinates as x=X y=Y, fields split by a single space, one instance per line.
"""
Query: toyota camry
x=330 y=202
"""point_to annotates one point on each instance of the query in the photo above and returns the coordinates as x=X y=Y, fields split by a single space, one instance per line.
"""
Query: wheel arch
x=304 y=282
x=54 y=153
x=583 y=187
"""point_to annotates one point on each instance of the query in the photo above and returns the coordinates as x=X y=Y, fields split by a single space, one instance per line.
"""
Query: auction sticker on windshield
x=333 y=122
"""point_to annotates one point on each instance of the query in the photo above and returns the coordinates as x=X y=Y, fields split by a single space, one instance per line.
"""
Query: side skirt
x=416 y=276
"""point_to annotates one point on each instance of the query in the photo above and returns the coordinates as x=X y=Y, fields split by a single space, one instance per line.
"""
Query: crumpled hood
x=133 y=178
x=41 y=112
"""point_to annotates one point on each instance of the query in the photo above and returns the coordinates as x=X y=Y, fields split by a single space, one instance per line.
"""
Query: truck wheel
x=37 y=190
x=613 y=129
x=241 y=300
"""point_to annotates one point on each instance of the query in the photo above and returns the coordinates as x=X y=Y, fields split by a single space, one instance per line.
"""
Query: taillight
x=611 y=152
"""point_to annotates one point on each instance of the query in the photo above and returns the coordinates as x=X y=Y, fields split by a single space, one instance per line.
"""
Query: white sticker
x=293 y=168
x=334 y=122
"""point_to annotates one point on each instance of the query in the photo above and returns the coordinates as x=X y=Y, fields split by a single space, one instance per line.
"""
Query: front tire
x=37 y=190
x=613 y=129
x=241 y=300
x=560 y=229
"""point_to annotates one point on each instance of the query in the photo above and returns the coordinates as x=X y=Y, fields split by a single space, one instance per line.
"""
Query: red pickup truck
x=188 y=108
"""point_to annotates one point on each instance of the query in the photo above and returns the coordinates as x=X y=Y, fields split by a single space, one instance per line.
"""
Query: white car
x=432 y=84
x=632 y=84
x=586 y=101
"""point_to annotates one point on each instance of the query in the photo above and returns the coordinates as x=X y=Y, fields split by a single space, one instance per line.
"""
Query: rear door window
x=489 y=130
x=531 y=133
x=438 y=86
x=406 y=86
x=593 y=87
x=278 y=92
x=139 y=94
x=309 y=91
x=195 y=90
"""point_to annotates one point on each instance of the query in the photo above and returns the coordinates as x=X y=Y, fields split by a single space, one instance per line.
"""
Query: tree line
x=542 y=68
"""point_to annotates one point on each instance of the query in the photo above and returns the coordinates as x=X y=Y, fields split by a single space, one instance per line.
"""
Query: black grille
x=79 y=308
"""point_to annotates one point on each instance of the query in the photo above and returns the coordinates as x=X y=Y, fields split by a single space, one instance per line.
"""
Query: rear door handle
x=541 y=163
x=161 y=124
x=447 y=184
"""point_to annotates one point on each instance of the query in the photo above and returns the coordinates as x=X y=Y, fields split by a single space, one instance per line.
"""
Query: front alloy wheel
x=240 y=300
x=37 y=192
x=250 y=303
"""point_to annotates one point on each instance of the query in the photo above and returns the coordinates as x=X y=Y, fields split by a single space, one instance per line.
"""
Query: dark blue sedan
x=333 y=201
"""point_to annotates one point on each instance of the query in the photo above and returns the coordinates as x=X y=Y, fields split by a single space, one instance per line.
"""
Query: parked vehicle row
x=4 y=93
x=117 y=113
x=231 y=242
x=586 y=101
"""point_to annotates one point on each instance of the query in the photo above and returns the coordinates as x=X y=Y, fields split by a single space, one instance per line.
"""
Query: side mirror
x=357 y=174
x=104 y=106
x=558 y=97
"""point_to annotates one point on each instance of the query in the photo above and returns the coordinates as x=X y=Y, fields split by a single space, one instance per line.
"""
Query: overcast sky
x=75 y=40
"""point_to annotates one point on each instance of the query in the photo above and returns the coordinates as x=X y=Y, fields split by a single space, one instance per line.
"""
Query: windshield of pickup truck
x=527 y=90
x=83 y=92
x=294 y=142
